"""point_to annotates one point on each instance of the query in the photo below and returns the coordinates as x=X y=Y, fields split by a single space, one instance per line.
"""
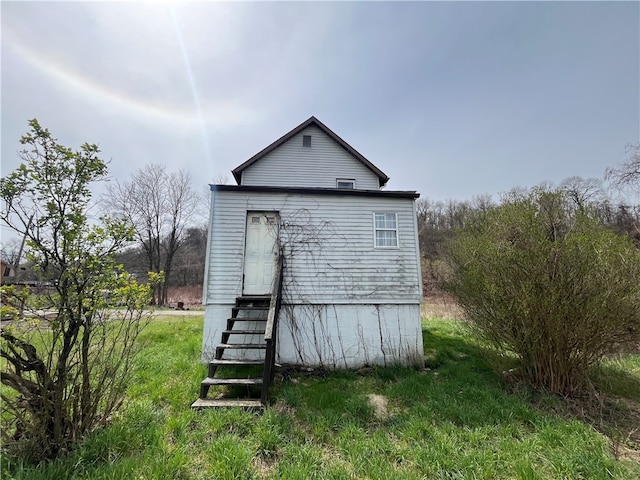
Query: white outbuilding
x=351 y=279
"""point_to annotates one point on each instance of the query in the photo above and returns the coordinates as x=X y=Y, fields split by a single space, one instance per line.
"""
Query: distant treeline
x=438 y=221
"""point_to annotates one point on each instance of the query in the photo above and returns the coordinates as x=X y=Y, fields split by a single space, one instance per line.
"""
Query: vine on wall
x=314 y=328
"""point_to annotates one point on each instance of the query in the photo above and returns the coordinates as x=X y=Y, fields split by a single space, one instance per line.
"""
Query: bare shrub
x=545 y=281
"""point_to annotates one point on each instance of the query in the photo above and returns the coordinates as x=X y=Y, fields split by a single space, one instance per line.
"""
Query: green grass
x=453 y=419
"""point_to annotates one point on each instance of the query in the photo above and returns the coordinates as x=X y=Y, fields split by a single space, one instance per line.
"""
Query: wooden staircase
x=245 y=332
x=253 y=327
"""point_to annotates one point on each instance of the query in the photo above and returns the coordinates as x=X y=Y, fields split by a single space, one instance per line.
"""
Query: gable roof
x=383 y=178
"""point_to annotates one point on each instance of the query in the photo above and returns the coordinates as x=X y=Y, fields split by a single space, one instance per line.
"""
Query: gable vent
x=306 y=140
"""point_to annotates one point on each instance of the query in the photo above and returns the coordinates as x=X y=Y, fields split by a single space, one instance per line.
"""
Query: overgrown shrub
x=64 y=369
x=545 y=281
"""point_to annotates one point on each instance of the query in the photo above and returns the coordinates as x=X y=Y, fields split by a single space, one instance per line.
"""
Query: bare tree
x=482 y=203
x=160 y=205
x=583 y=191
x=627 y=174
x=221 y=179
x=189 y=262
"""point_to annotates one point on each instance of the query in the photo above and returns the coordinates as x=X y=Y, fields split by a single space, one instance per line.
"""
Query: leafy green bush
x=545 y=281
x=11 y=302
x=64 y=372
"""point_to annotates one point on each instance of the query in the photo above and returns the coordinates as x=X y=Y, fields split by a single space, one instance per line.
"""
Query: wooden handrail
x=274 y=306
x=271 y=331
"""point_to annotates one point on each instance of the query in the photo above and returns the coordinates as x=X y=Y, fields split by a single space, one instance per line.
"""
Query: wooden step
x=227 y=333
x=235 y=363
x=266 y=299
x=246 y=319
x=236 y=310
x=238 y=346
x=227 y=402
x=215 y=364
x=231 y=321
x=231 y=381
x=266 y=296
x=243 y=332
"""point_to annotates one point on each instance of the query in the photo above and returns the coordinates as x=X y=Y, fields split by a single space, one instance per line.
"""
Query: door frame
x=262 y=213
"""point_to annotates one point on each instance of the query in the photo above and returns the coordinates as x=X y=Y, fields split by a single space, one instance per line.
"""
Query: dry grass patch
x=440 y=306
x=191 y=296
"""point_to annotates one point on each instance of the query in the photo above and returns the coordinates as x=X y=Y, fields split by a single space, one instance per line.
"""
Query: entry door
x=261 y=252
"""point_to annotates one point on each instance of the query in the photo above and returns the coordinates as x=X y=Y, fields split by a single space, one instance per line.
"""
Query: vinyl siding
x=328 y=246
x=350 y=336
x=292 y=165
x=333 y=336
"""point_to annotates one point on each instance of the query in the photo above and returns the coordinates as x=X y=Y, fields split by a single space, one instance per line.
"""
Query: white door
x=261 y=252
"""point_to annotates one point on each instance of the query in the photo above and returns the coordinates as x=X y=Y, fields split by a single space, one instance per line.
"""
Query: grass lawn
x=454 y=419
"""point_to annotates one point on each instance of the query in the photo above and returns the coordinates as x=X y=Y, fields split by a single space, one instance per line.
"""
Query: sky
x=452 y=99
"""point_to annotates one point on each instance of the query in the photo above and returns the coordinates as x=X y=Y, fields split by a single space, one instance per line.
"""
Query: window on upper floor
x=385 y=227
x=306 y=140
x=345 y=183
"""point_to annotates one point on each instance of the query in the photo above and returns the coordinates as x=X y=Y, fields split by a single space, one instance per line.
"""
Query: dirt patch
x=625 y=453
x=264 y=468
x=380 y=405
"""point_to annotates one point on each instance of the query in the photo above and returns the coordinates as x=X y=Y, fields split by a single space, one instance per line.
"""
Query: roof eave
x=315 y=191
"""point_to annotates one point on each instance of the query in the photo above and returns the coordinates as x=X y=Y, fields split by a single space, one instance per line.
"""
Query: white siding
x=336 y=336
x=328 y=245
x=345 y=303
x=292 y=165
x=215 y=321
x=349 y=336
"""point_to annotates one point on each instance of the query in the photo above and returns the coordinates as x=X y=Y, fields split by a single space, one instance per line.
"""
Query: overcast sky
x=450 y=99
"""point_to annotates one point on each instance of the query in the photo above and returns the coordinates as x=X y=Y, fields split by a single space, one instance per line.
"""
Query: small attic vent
x=306 y=140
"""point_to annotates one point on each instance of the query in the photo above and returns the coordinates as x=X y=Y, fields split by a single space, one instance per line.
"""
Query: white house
x=351 y=285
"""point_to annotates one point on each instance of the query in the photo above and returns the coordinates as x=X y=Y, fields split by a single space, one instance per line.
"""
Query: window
x=345 y=183
x=386 y=229
x=306 y=140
